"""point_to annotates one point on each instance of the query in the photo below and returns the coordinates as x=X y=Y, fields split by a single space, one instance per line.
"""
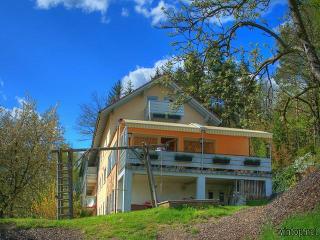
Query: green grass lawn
x=133 y=225
x=302 y=221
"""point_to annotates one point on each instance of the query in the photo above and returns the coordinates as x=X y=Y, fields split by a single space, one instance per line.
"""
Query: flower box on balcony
x=221 y=160
x=153 y=156
x=183 y=158
x=251 y=162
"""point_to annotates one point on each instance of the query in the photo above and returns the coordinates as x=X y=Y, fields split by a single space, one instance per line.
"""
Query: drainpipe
x=202 y=146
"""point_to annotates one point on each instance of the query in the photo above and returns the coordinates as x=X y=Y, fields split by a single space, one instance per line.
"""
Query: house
x=201 y=161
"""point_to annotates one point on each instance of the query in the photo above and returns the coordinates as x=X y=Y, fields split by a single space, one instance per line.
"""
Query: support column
x=201 y=187
x=127 y=189
x=268 y=186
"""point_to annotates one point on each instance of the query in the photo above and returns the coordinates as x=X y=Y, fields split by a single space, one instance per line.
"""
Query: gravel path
x=247 y=223
x=11 y=232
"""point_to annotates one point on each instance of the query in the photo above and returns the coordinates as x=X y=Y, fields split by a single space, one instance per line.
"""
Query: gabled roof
x=103 y=114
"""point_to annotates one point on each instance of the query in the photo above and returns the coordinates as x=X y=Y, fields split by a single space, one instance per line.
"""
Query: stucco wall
x=109 y=183
x=172 y=189
x=134 y=109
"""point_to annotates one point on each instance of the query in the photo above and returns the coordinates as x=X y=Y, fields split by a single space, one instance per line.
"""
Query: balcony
x=92 y=175
x=211 y=162
x=156 y=109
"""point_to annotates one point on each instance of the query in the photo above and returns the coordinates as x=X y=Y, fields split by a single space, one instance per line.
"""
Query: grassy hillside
x=309 y=221
x=134 y=225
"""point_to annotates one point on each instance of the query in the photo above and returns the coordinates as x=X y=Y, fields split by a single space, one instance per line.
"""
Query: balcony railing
x=163 y=110
x=205 y=161
x=92 y=175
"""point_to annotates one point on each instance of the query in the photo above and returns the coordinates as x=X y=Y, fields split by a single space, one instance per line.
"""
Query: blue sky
x=60 y=51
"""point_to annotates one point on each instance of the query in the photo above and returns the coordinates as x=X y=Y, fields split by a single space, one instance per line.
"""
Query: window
x=138 y=140
x=109 y=165
x=194 y=146
x=168 y=99
x=221 y=197
x=172 y=143
x=210 y=195
x=150 y=98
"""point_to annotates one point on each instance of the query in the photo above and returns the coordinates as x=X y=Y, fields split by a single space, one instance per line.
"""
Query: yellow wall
x=134 y=109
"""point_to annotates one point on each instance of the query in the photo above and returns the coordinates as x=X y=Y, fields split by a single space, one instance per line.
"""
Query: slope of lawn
x=309 y=220
x=133 y=225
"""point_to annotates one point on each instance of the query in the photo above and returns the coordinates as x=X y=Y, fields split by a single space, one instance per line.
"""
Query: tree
x=214 y=81
x=298 y=90
x=128 y=88
x=201 y=23
x=26 y=164
x=87 y=119
x=115 y=92
x=88 y=115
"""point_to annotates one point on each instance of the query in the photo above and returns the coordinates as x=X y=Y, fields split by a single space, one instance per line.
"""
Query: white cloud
x=86 y=5
x=143 y=75
x=3 y=96
x=15 y=111
x=156 y=14
x=124 y=12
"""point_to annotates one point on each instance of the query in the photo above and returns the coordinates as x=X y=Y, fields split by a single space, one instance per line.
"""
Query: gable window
x=152 y=98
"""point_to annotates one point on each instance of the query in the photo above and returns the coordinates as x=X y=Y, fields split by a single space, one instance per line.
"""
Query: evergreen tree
x=115 y=93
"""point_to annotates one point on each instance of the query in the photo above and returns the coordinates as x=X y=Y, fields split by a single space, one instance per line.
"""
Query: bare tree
x=88 y=115
x=87 y=119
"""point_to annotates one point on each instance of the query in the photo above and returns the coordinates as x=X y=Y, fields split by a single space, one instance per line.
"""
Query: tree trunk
x=309 y=49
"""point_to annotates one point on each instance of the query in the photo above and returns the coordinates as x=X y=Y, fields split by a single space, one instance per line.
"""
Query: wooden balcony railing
x=205 y=161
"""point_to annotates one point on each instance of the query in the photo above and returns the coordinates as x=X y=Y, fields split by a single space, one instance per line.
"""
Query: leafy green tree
x=214 y=81
x=200 y=24
x=26 y=164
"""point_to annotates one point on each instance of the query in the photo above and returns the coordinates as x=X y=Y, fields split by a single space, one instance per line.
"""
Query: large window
x=171 y=143
x=194 y=146
x=139 y=140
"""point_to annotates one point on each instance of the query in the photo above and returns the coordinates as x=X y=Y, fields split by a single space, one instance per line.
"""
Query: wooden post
x=70 y=183
x=153 y=191
x=59 y=184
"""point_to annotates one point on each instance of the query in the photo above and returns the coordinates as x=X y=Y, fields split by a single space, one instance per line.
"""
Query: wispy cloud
x=124 y=12
x=86 y=5
x=156 y=13
x=3 y=96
